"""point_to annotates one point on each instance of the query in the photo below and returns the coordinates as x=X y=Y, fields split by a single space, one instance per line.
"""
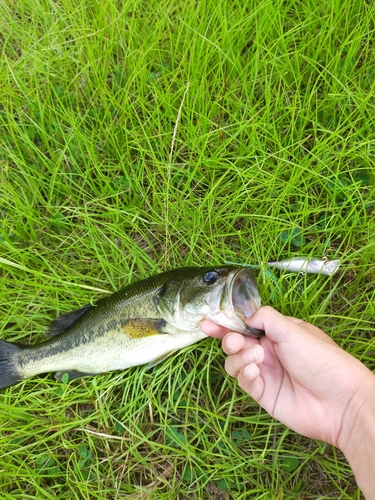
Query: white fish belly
x=113 y=352
x=135 y=352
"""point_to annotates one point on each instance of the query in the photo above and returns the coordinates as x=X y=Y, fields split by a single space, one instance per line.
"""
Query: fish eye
x=210 y=277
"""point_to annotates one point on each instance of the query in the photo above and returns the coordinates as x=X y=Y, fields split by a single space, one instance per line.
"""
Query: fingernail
x=251 y=355
x=228 y=341
x=247 y=371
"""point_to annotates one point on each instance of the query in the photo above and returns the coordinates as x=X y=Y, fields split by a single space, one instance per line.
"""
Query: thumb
x=277 y=327
x=281 y=328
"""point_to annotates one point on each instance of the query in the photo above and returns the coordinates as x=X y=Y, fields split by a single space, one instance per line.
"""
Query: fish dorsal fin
x=63 y=322
x=137 y=328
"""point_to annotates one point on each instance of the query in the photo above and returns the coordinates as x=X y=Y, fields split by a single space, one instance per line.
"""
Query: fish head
x=225 y=295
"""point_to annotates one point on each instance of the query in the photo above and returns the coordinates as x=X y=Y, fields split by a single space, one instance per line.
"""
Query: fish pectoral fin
x=72 y=374
x=137 y=328
x=63 y=322
x=161 y=358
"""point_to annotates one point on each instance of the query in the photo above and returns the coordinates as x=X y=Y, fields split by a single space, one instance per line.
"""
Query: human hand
x=298 y=375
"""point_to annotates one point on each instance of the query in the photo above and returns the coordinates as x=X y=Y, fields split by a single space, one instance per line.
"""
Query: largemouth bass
x=144 y=322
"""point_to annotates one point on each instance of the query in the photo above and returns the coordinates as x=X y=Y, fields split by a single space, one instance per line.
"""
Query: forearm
x=360 y=446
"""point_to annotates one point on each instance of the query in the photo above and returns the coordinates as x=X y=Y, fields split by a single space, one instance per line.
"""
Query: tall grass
x=141 y=136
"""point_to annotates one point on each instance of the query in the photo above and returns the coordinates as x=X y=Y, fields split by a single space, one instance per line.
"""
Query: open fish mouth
x=235 y=301
x=245 y=299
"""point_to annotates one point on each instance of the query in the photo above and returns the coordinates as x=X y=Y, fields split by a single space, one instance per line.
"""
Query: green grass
x=140 y=136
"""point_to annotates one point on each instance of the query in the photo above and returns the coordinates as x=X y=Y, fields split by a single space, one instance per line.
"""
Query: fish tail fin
x=9 y=374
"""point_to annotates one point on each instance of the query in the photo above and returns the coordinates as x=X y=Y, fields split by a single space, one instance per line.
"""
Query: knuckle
x=267 y=309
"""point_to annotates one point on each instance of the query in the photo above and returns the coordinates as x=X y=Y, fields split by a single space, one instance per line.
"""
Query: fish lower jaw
x=231 y=321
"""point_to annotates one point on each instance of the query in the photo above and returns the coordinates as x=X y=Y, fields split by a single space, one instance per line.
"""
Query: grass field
x=137 y=137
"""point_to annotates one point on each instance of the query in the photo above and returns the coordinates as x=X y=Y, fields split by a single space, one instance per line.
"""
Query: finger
x=275 y=325
x=236 y=362
x=234 y=342
x=312 y=329
x=250 y=381
x=212 y=329
x=280 y=328
x=295 y=320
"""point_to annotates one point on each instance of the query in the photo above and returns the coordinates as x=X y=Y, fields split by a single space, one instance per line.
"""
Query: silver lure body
x=307 y=265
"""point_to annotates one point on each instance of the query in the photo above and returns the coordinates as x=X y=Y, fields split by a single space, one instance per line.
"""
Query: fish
x=307 y=265
x=143 y=323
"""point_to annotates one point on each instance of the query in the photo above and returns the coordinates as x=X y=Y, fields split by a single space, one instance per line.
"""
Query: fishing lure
x=298 y=265
x=307 y=265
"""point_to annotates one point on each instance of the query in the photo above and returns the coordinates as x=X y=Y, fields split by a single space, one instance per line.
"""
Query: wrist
x=357 y=436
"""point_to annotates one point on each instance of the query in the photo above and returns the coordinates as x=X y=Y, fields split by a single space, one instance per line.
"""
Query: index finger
x=213 y=330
